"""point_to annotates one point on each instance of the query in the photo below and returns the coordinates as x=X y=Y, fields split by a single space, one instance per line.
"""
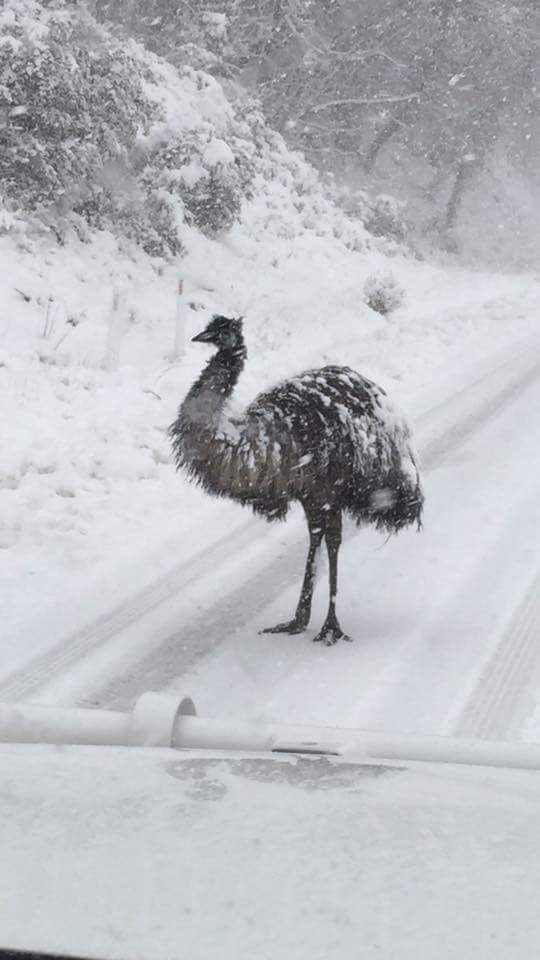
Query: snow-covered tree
x=71 y=108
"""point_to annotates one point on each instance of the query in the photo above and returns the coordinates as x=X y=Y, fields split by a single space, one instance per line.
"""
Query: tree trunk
x=385 y=134
x=461 y=181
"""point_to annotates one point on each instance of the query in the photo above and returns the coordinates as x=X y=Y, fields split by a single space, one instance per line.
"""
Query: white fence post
x=180 y=323
x=117 y=329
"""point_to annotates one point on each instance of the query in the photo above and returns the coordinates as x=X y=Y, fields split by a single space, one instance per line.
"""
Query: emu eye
x=229 y=340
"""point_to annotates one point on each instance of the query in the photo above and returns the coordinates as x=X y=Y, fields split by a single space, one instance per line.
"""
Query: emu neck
x=204 y=403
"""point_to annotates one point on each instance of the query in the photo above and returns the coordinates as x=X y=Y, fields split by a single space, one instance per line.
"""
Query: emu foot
x=330 y=633
x=291 y=626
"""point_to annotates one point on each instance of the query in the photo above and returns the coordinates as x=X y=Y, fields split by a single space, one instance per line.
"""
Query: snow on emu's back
x=328 y=438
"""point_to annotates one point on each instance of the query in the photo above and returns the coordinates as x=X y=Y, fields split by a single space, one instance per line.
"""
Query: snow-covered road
x=444 y=622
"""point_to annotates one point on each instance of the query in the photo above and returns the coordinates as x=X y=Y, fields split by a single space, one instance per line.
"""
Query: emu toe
x=330 y=633
x=291 y=626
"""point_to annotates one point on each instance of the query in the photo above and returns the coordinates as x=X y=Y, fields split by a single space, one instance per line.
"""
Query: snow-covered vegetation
x=100 y=134
x=383 y=293
x=435 y=103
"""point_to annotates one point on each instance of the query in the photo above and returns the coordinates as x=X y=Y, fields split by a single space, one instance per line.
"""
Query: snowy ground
x=116 y=574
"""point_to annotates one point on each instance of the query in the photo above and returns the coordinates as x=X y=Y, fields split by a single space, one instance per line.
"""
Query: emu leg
x=331 y=630
x=303 y=610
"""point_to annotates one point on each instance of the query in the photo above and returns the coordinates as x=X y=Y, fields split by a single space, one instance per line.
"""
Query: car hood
x=134 y=853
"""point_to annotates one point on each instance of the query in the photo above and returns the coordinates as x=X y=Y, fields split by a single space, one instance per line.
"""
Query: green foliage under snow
x=96 y=132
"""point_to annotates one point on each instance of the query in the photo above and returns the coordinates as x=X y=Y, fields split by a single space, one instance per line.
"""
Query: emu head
x=224 y=332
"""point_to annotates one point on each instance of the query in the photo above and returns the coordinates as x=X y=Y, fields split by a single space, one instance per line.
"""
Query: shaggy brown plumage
x=328 y=438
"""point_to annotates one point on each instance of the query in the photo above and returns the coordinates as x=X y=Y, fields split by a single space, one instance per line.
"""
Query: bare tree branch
x=326 y=51
x=362 y=100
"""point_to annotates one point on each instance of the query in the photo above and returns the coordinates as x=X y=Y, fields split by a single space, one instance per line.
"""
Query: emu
x=328 y=438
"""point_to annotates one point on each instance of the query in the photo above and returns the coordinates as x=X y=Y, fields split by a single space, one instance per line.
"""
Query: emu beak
x=204 y=337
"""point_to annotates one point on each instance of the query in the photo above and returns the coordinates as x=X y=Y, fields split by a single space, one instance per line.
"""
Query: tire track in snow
x=434 y=450
x=180 y=650
x=100 y=631
x=441 y=430
x=498 y=695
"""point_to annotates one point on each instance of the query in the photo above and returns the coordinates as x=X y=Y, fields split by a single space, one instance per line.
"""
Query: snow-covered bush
x=207 y=178
x=383 y=293
x=184 y=33
x=213 y=202
x=220 y=162
x=9 y=221
x=72 y=105
x=99 y=134
x=383 y=215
